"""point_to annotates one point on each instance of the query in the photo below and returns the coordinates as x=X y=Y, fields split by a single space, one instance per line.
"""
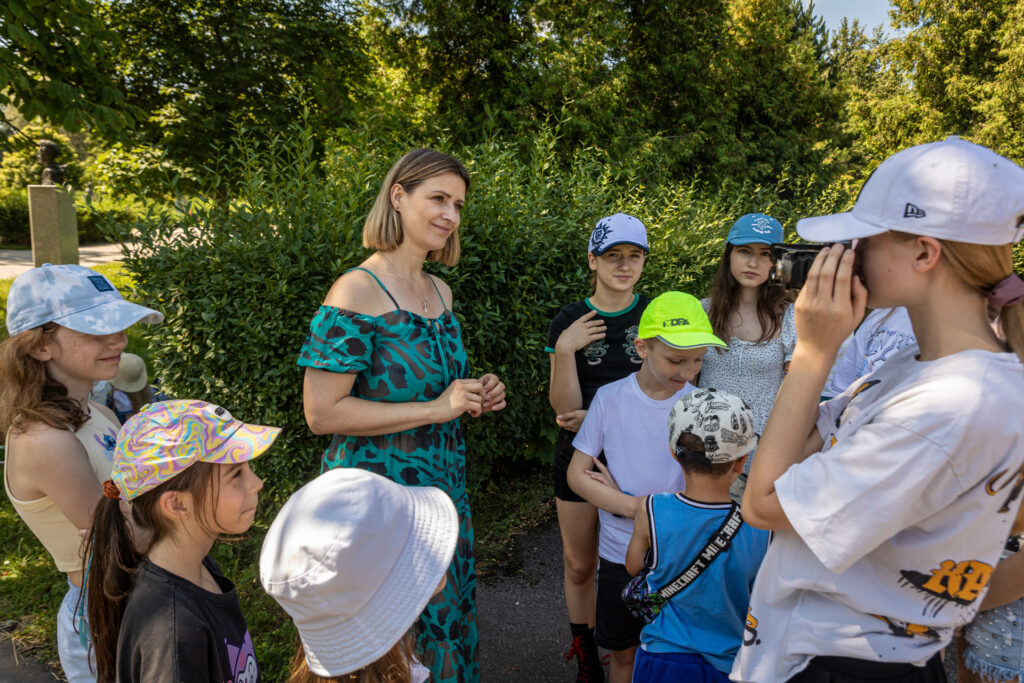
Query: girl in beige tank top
x=67 y=330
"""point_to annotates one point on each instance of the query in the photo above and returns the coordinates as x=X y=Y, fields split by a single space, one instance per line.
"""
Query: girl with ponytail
x=159 y=608
x=892 y=503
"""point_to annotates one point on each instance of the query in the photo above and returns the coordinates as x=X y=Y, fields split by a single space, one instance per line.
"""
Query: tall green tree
x=201 y=67
x=474 y=59
x=48 y=66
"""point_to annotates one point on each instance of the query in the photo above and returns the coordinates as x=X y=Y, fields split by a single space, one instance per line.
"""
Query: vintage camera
x=792 y=261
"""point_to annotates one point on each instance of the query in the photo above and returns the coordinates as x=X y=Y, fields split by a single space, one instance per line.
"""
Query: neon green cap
x=679 y=320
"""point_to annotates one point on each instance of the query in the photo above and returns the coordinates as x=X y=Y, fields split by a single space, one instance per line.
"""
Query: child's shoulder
x=569 y=313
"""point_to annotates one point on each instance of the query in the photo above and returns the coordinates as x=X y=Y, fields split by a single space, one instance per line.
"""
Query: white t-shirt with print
x=898 y=521
x=883 y=332
x=632 y=430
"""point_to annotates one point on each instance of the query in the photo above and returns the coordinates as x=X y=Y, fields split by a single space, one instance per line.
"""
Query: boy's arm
x=640 y=542
x=596 y=493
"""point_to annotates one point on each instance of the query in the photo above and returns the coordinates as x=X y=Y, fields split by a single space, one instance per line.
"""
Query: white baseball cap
x=74 y=297
x=951 y=190
x=354 y=558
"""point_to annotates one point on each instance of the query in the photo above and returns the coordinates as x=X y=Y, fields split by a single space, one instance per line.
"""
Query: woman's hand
x=602 y=475
x=572 y=420
x=494 y=394
x=461 y=396
x=831 y=303
x=580 y=333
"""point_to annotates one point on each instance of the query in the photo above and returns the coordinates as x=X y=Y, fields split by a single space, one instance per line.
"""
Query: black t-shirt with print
x=176 y=632
x=601 y=361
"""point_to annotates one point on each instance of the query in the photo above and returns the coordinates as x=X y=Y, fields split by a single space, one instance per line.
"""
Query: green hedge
x=14 y=224
x=239 y=279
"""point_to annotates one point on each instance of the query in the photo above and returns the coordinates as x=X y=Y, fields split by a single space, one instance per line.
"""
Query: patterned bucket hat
x=163 y=439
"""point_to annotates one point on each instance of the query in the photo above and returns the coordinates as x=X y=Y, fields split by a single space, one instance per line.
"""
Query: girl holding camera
x=892 y=502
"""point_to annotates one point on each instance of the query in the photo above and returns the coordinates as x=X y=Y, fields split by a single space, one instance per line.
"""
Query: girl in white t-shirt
x=892 y=502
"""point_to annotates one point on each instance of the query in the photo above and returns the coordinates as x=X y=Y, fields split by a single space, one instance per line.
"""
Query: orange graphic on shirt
x=905 y=629
x=994 y=486
x=959 y=582
x=750 y=630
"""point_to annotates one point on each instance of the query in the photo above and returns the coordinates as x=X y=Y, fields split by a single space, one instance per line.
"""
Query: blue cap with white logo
x=74 y=297
x=756 y=228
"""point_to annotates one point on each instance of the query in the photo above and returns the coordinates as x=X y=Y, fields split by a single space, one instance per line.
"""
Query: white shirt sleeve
x=846 y=501
x=590 y=438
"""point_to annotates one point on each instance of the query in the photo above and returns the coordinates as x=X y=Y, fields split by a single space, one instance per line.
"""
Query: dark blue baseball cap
x=756 y=228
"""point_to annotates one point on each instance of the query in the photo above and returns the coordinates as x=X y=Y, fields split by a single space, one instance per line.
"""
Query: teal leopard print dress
x=400 y=357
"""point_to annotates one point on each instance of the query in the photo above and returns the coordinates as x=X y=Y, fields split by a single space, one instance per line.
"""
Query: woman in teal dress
x=386 y=375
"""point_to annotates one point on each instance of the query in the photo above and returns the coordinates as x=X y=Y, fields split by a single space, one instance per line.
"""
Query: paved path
x=13 y=262
x=18 y=669
x=523 y=626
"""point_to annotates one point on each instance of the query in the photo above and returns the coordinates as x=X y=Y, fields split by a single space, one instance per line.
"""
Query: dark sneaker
x=588 y=660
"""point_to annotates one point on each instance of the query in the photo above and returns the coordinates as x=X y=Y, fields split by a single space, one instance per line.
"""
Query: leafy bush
x=240 y=279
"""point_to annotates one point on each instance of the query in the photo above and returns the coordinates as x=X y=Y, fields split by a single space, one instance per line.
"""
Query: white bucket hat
x=131 y=373
x=951 y=190
x=353 y=558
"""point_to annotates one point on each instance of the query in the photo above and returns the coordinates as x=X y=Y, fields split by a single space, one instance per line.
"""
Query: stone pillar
x=52 y=224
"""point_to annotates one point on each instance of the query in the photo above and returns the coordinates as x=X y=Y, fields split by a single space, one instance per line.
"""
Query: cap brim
x=692 y=340
x=245 y=443
x=837 y=227
x=646 y=248
x=109 y=317
x=402 y=597
x=753 y=240
x=129 y=387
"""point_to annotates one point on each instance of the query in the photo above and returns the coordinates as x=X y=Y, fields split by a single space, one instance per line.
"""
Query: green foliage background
x=239 y=219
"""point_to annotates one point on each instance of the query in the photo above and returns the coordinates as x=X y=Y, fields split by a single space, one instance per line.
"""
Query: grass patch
x=505 y=508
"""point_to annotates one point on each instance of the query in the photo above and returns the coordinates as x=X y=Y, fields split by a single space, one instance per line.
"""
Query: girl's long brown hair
x=392 y=667
x=112 y=556
x=27 y=394
x=725 y=297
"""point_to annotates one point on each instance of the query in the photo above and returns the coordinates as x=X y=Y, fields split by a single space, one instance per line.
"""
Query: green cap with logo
x=678 y=320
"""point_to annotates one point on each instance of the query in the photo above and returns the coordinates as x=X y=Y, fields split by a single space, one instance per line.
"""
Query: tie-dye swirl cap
x=163 y=439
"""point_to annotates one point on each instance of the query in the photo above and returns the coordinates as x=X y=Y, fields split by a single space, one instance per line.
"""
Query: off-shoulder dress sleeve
x=338 y=341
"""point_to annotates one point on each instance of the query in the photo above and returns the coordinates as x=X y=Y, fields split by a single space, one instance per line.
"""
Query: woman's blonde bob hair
x=383 y=228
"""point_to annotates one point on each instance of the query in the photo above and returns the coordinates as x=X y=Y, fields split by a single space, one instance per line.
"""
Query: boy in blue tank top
x=697 y=633
x=628 y=421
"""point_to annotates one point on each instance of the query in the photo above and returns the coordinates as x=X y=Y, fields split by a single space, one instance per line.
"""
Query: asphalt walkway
x=13 y=262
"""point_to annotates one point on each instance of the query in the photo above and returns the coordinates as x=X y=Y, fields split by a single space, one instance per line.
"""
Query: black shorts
x=847 y=670
x=617 y=629
x=563 y=456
